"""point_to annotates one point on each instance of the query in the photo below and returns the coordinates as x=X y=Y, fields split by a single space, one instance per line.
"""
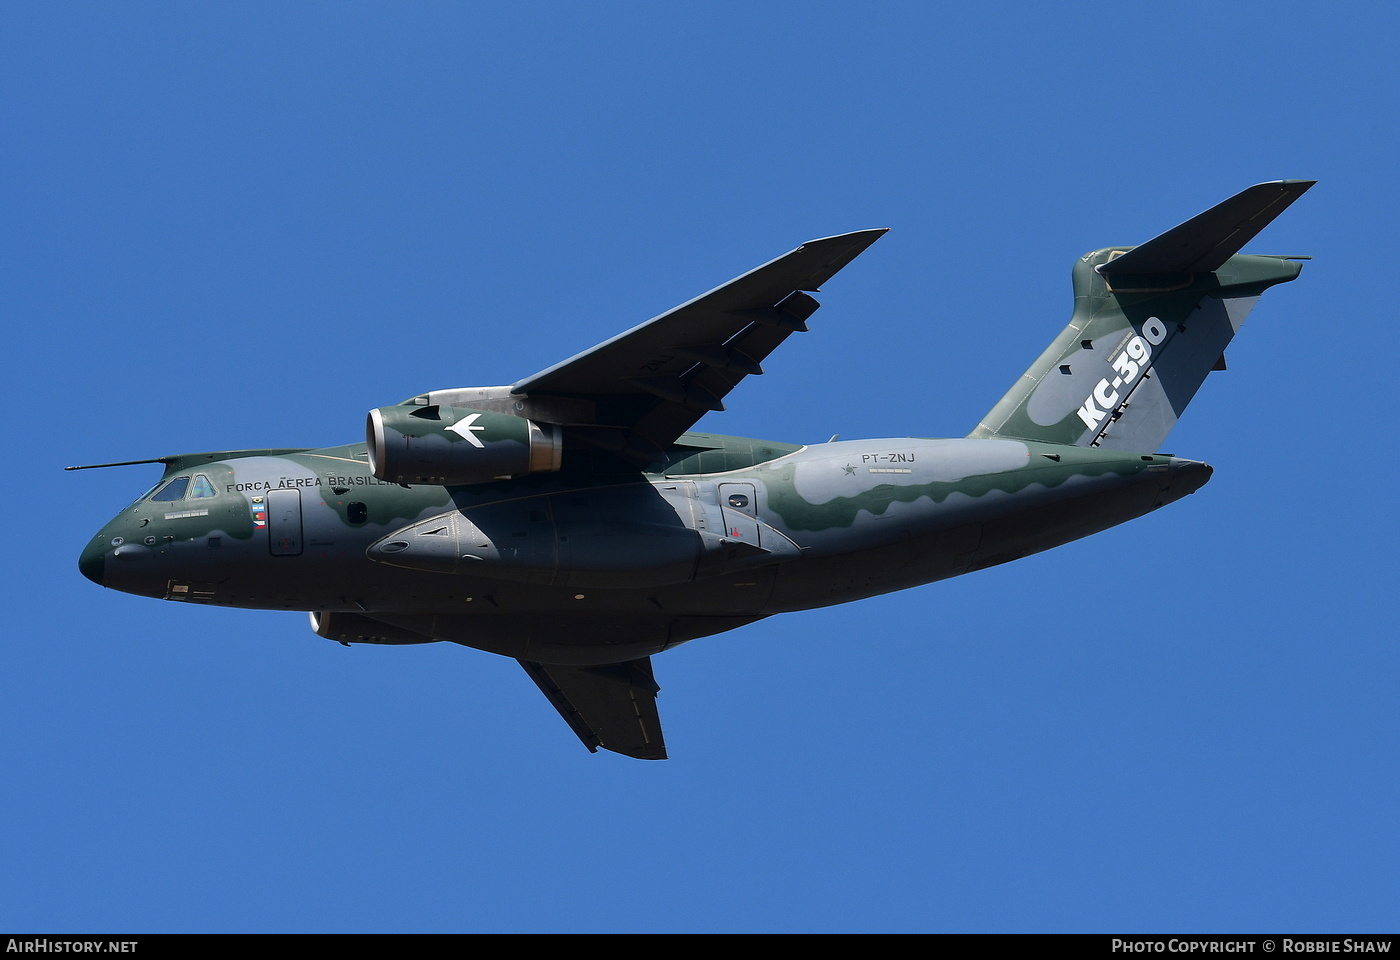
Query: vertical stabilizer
x=1149 y=323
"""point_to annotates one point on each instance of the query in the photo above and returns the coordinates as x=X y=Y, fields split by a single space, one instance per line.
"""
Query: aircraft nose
x=92 y=564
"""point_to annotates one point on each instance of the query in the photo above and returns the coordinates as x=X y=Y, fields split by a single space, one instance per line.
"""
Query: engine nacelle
x=451 y=445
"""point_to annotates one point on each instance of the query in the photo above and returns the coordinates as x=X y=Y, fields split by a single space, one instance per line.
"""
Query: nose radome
x=93 y=561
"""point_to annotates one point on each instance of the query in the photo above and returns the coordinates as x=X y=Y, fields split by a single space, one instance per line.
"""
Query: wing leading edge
x=637 y=392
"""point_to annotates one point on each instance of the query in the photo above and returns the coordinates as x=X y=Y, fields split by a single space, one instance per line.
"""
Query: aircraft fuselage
x=573 y=556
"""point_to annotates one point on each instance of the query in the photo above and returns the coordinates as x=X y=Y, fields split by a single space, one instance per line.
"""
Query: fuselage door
x=740 y=509
x=284 y=522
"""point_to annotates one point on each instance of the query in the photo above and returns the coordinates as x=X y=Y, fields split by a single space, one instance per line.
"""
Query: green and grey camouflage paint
x=573 y=523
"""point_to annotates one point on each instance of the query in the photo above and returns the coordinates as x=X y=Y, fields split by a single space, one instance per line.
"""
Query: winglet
x=1207 y=240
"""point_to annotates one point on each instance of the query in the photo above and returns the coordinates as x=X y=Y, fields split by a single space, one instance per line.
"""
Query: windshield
x=173 y=490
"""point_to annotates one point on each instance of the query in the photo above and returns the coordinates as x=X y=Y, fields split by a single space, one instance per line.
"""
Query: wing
x=613 y=707
x=636 y=393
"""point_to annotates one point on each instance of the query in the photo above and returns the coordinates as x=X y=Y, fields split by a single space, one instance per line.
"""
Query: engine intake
x=452 y=445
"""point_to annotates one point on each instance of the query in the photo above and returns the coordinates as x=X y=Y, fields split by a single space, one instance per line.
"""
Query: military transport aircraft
x=574 y=521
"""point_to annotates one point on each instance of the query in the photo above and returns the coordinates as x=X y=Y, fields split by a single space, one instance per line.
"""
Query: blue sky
x=246 y=225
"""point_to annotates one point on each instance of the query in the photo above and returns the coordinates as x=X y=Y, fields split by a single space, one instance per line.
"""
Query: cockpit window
x=174 y=490
x=201 y=488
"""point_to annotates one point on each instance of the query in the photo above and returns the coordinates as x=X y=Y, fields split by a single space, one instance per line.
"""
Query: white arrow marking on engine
x=465 y=429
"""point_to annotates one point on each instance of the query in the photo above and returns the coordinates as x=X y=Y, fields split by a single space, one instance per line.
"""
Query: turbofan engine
x=450 y=445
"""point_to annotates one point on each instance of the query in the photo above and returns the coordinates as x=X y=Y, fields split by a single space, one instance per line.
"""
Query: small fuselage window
x=174 y=490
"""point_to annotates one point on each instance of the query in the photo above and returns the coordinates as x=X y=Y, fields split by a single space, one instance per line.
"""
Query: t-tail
x=1149 y=323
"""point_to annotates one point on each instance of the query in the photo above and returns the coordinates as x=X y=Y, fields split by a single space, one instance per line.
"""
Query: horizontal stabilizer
x=611 y=706
x=1207 y=240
